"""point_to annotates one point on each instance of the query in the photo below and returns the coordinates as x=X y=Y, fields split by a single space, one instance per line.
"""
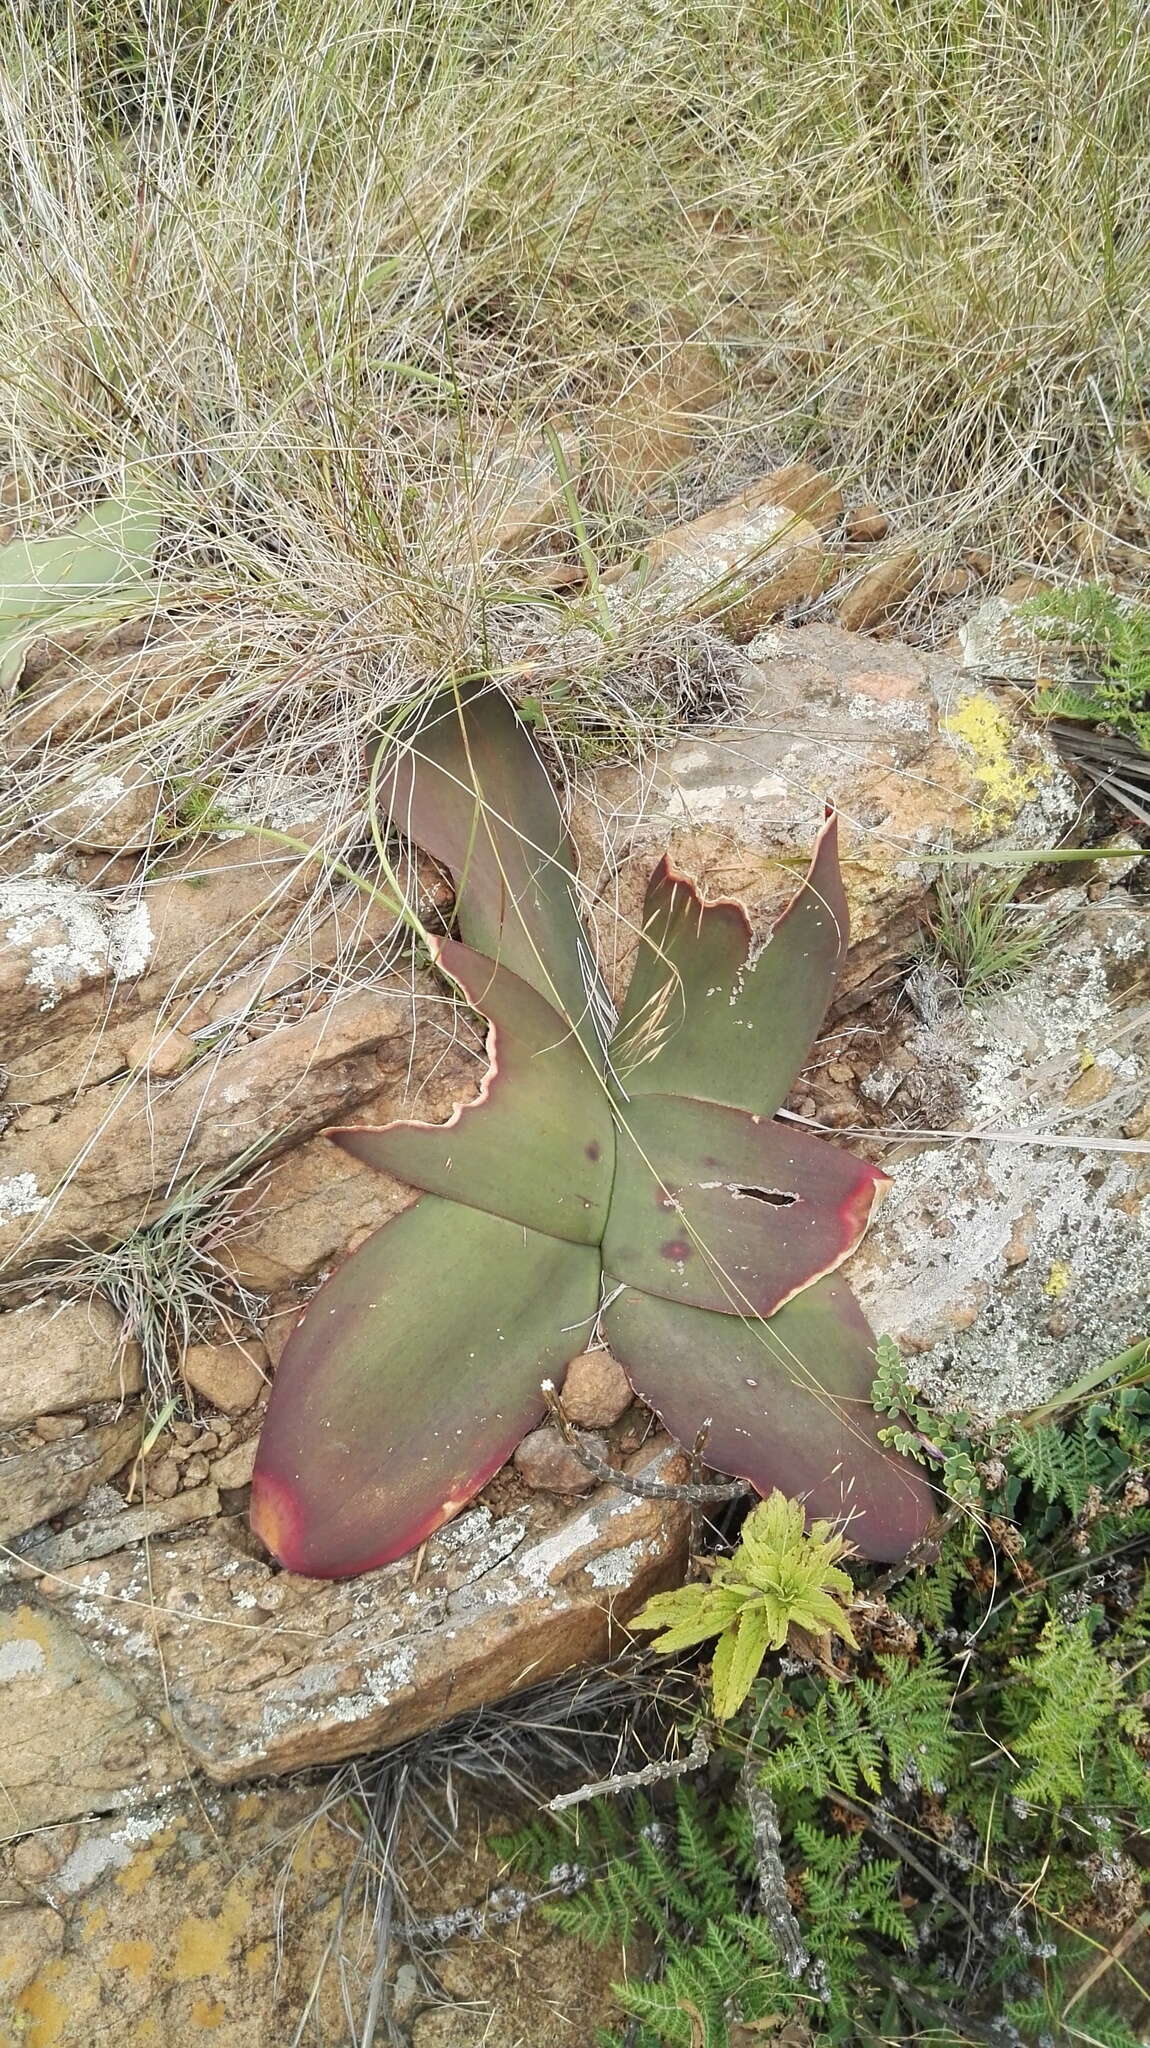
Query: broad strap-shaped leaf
x=467 y=785
x=729 y=1211
x=538 y=1144
x=787 y=1404
x=706 y=1016
x=66 y=578
x=411 y=1379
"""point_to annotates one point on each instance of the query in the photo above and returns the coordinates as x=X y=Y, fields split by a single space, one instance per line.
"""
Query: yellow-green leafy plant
x=779 y=1577
x=629 y=1171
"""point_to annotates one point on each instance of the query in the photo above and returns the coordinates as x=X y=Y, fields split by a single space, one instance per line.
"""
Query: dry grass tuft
x=313 y=276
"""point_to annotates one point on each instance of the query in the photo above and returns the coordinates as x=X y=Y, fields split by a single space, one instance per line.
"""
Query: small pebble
x=52 y=1429
x=596 y=1391
x=162 y=1479
x=228 y=1375
x=952 y=583
x=545 y=1462
x=867 y=523
x=235 y=1467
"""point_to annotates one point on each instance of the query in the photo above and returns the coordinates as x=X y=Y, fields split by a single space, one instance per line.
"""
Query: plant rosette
x=628 y=1173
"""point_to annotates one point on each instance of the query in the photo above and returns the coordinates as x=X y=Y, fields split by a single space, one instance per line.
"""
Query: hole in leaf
x=775 y=1198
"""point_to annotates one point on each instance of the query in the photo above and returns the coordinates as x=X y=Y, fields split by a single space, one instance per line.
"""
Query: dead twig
x=633 y=1482
x=630 y=1781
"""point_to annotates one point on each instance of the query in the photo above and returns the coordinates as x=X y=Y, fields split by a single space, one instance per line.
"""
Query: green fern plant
x=861 y=1734
x=779 y=1578
x=689 y=1878
x=1073 y=1707
x=1113 y=638
x=949 y=1811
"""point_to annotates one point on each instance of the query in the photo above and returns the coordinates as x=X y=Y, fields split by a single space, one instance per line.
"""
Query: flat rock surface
x=37 y=1484
x=109 y=1158
x=260 y=1671
x=56 y=1355
x=917 y=756
x=76 y=1739
x=1008 y=1265
x=199 y=1917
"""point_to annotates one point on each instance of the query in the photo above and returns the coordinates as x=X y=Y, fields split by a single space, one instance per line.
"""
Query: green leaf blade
x=413 y=1376
x=727 y=1211
x=786 y=1403
x=703 y=1018
x=467 y=785
x=537 y=1146
x=739 y=1656
x=690 y=1615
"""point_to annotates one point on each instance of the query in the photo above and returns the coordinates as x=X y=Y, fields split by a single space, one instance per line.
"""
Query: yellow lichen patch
x=142 y=1867
x=136 y=1957
x=1057 y=1280
x=259 y=1957
x=1006 y=784
x=203 y=1945
x=42 y=2006
x=208 y=2013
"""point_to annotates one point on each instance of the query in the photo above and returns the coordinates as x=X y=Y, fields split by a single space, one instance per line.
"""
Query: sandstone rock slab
x=56 y=1355
x=740 y=565
x=35 y=1485
x=112 y=1155
x=262 y=1671
x=917 y=756
x=197 y=1917
x=880 y=589
x=76 y=1740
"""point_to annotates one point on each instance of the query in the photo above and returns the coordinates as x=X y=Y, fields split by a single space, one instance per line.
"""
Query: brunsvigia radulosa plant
x=628 y=1172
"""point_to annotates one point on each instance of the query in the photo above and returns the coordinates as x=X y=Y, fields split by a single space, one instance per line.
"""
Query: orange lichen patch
x=40 y=2004
x=136 y=1957
x=204 y=1945
x=140 y=1871
x=208 y=2013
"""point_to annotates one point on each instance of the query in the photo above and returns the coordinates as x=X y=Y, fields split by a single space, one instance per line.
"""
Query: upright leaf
x=466 y=783
x=705 y=1015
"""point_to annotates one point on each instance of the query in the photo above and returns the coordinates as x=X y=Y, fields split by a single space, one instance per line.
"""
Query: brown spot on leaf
x=677 y=1250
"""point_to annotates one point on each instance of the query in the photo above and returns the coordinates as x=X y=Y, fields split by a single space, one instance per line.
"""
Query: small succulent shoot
x=780 y=1577
x=628 y=1172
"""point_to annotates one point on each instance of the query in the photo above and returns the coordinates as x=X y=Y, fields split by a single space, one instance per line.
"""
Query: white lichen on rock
x=1007 y=1266
x=20 y=1196
x=71 y=936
